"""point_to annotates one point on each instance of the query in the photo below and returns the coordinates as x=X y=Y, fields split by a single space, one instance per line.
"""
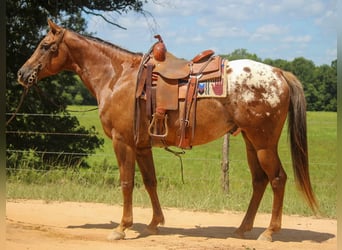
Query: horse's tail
x=298 y=139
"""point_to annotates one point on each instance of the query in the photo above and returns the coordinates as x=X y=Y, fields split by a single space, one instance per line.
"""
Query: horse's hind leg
x=259 y=182
x=271 y=164
x=146 y=165
x=265 y=167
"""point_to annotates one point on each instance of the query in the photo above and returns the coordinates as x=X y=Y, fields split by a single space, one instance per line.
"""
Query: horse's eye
x=53 y=47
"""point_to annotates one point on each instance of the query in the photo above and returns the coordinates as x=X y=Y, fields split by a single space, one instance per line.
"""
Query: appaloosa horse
x=259 y=99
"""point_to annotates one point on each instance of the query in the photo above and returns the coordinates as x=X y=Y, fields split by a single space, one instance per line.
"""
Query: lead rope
x=19 y=105
x=178 y=154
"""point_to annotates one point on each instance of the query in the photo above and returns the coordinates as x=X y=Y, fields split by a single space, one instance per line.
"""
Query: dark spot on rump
x=229 y=70
x=247 y=69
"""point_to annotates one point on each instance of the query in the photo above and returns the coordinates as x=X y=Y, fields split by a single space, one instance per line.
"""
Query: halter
x=51 y=50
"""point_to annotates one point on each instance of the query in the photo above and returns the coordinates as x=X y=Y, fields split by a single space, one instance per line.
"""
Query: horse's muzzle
x=27 y=77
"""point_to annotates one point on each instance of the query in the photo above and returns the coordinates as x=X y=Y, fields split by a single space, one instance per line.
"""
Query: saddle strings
x=18 y=107
x=178 y=154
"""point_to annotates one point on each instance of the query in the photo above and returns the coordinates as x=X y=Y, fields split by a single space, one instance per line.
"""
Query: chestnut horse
x=259 y=100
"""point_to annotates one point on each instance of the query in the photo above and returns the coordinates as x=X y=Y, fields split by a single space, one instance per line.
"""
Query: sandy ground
x=39 y=225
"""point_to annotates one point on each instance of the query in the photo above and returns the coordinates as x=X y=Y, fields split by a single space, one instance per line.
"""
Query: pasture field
x=202 y=174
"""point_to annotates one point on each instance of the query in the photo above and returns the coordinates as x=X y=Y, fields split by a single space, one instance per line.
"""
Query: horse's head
x=48 y=58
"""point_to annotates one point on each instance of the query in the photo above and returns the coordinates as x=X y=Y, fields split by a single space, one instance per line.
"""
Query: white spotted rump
x=246 y=76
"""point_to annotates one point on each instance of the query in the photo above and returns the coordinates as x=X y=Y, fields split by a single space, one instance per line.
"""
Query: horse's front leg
x=125 y=155
x=146 y=165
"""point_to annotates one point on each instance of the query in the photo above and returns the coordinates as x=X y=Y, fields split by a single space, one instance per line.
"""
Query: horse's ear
x=53 y=27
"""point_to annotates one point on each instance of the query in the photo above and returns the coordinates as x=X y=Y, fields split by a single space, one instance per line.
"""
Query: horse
x=259 y=100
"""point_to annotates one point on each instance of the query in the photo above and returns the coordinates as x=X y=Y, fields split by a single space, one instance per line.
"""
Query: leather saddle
x=160 y=77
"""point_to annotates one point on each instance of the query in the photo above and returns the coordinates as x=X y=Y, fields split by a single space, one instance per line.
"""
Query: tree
x=325 y=81
x=26 y=25
x=320 y=83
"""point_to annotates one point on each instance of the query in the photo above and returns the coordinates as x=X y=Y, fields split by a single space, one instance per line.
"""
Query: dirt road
x=37 y=225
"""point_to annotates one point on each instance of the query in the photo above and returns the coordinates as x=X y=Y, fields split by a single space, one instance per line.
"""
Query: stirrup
x=153 y=128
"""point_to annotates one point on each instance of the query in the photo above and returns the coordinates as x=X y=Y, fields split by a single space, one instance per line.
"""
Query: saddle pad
x=215 y=87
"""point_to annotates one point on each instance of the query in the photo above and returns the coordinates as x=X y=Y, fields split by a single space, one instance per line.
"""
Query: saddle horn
x=159 y=49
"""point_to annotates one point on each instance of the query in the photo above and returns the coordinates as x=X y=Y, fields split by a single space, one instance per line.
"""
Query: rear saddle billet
x=161 y=81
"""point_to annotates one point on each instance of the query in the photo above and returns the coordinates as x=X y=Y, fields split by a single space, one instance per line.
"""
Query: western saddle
x=163 y=80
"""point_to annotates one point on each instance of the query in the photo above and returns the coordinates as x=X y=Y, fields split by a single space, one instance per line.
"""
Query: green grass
x=202 y=174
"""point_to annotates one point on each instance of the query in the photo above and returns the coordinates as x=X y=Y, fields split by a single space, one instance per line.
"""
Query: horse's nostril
x=32 y=78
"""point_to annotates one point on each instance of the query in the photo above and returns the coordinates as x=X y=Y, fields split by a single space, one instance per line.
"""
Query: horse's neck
x=101 y=66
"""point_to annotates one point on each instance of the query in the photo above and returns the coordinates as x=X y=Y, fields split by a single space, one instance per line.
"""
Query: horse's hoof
x=116 y=236
x=265 y=237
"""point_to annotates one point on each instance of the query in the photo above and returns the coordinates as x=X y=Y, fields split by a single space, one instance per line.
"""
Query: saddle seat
x=172 y=67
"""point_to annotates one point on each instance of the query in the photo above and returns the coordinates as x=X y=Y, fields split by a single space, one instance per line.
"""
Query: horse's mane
x=99 y=40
